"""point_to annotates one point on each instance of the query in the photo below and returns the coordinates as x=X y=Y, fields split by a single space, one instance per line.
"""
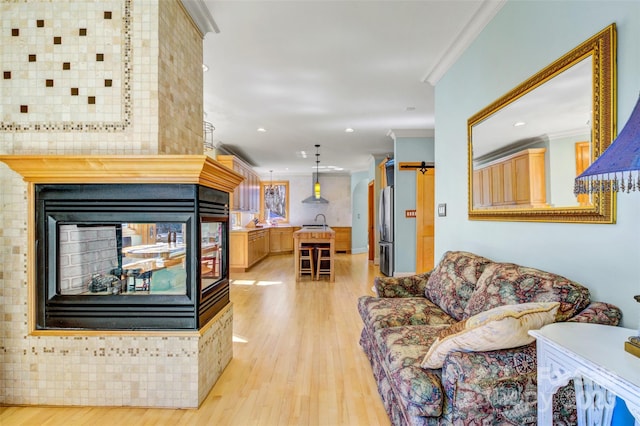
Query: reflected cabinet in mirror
x=526 y=148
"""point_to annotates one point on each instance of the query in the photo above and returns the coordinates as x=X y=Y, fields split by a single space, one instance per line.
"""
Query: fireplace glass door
x=212 y=262
x=124 y=258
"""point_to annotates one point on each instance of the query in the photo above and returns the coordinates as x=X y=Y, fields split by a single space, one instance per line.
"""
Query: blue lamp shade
x=618 y=168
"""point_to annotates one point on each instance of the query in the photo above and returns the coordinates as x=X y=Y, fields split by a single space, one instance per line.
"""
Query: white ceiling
x=307 y=70
x=560 y=107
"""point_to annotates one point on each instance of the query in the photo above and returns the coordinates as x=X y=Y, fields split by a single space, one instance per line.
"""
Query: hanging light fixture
x=315 y=197
x=316 y=186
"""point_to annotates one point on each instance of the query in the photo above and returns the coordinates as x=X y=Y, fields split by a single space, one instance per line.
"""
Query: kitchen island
x=314 y=237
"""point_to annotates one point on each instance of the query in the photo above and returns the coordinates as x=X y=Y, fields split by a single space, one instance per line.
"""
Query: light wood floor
x=296 y=359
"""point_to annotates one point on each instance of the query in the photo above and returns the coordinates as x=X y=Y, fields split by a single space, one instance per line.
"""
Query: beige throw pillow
x=502 y=327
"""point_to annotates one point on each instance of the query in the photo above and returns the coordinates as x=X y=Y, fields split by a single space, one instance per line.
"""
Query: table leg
x=296 y=259
x=551 y=376
x=332 y=246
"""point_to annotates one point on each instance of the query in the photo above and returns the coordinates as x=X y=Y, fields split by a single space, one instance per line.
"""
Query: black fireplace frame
x=96 y=204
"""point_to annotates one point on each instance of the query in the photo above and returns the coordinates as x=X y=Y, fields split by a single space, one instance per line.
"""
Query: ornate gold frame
x=602 y=47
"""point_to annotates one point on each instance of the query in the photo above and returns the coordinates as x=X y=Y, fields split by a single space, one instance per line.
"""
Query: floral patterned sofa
x=450 y=346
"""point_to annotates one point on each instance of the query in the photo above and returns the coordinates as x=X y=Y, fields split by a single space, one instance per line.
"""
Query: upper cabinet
x=386 y=167
x=246 y=196
x=514 y=180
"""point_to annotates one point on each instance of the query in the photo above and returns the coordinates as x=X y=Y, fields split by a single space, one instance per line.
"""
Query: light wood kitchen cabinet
x=246 y=196
x=281 y=239
x=516 y=180
x=481 y=193
x=246 y=248
x=343 y=238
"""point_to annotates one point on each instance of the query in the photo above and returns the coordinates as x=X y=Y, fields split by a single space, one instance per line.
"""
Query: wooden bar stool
x=325 y=262
x=306 y=261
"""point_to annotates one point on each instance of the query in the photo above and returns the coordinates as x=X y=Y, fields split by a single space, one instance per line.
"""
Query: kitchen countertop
x=314 y=229
x=309 y=228
x=259 y=228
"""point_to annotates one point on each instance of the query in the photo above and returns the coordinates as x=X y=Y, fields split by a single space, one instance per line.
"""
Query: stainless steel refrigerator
x=385 y=217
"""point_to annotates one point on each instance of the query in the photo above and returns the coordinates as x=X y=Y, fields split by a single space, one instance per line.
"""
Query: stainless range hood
x=312 y=199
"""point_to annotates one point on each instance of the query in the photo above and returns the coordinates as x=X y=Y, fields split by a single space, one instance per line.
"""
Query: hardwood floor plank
x=296 y=358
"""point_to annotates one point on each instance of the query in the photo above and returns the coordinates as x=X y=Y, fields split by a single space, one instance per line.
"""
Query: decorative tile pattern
x=56 y=37
x=86 y=370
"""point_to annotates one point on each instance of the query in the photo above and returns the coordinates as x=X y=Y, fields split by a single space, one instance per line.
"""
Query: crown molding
x=474 y=27
x=410 y=133
x=201 y=16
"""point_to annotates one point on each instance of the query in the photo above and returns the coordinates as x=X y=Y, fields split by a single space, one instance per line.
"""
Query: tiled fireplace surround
x=97 y=78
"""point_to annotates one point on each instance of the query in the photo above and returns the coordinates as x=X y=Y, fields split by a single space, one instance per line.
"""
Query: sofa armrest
x=411 y=286
x=599 y=313
x=494 y=387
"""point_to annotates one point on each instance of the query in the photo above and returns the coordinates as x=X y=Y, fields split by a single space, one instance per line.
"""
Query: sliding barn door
x=425 y=212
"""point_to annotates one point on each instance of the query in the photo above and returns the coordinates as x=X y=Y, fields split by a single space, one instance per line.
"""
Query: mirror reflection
x=527 y=147
x=522 y=154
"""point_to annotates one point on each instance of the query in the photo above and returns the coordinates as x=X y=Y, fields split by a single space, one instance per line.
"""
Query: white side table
x=594 y=356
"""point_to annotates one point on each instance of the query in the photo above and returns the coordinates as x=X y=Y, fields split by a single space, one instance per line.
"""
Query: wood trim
x=383 y=173
x=371 y=221
x=263 y=186
x=120 y=333
x=188 y=169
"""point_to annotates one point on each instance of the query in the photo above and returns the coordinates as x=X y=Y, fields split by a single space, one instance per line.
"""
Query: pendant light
x=315 y=197
x=316 y=187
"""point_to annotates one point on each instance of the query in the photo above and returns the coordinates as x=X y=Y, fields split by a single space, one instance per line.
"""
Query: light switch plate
x=442 y=209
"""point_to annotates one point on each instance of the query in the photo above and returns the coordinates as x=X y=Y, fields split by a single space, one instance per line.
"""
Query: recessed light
x=411 y=108
x=519 y=123
x=205 y=68
x=349 y=130
x=262 y=129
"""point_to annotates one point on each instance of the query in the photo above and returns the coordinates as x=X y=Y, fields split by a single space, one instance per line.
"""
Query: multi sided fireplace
x=128 y=250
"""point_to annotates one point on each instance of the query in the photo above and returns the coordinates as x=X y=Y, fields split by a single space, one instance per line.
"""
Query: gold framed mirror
x=526 y=148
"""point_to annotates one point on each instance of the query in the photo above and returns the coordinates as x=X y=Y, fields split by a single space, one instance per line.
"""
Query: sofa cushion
x=378 y=312
x=511 y=284
x=453 y=281
x=503 y=327
x=419 y=390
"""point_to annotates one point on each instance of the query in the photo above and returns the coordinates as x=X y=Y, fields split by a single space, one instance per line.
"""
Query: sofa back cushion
x=510 y=284
x=453 y=281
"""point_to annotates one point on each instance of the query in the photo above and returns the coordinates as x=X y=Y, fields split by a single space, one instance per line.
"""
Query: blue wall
x=524 y=37
x=359 y=213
